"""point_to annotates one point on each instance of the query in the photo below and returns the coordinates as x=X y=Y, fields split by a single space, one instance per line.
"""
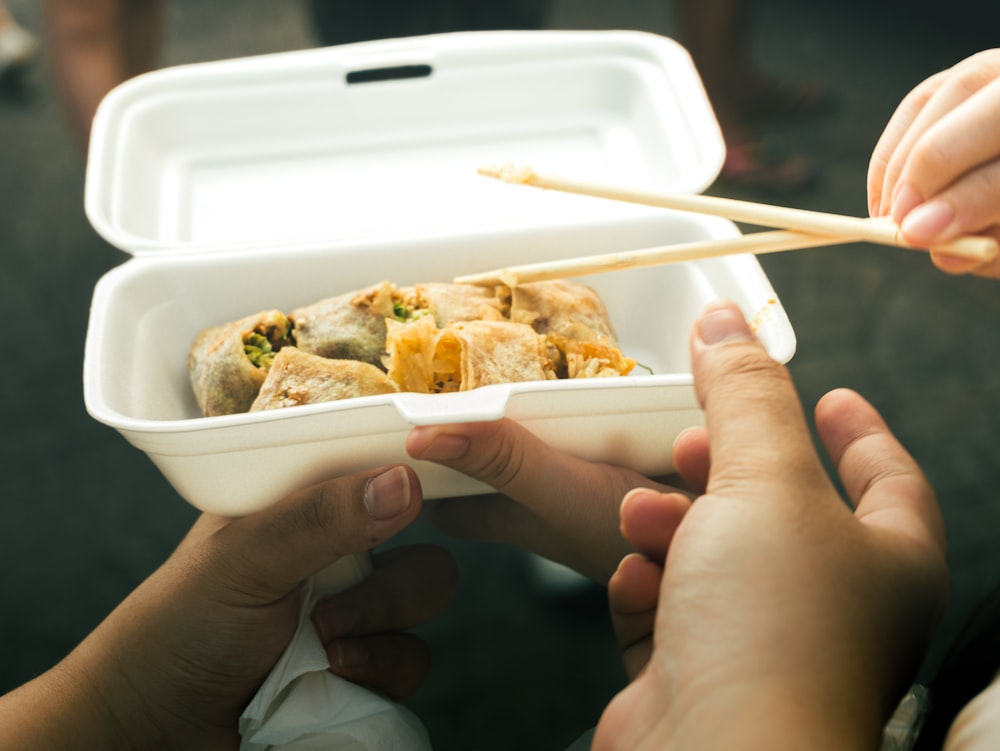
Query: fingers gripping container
x=280 y=180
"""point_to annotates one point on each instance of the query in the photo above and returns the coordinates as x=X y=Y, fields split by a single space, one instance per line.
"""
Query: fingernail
x=446 y=447
x=351 y=653
x=335 y=623
x=627 y=498
x=928 y=221
x=388 y=495
x=904 y=200
x=722 y=322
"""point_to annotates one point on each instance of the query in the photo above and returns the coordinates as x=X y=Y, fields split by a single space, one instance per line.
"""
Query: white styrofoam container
x=276 y=181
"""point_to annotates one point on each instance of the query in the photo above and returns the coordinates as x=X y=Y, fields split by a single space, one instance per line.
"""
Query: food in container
x=271 y=183
x=430 y=339
x=296 y=378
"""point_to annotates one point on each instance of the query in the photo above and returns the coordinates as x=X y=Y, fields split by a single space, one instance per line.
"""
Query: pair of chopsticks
x=801 y=228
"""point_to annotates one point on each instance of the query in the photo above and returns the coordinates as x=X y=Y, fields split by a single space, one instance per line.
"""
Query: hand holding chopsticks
x=801 y=229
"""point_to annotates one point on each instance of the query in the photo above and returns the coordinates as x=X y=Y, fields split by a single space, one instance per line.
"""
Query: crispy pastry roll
x=564 y=308
x=297 y=377
x=350 y=326
x=575 y=320
x=452 y=302
x=228 y=363
x=464 y=355
x=496 y=352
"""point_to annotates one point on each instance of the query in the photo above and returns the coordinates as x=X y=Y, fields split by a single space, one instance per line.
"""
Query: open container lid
x=384 y=138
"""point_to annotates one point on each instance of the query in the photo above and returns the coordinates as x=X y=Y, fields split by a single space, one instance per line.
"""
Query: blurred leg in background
x=718 y=34
x=96 y=45
x=17 y=46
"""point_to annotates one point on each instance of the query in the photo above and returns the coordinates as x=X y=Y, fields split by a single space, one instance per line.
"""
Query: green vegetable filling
x=402 y=313
x=259 y=350
x=261 y=346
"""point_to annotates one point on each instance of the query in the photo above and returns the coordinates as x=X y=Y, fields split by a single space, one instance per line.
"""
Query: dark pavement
x=84 y=517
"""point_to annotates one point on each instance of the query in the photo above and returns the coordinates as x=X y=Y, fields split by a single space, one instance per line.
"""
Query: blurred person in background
x=17 y=46
x=96 y=45
x=718 y=34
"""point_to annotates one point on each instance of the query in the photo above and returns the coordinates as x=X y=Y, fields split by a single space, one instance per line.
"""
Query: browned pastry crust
x=448 y=303
x=224 y=379
x=350 y=326
x=297 y=377
x=464 y=355
x=564 y=308
x=565 y=312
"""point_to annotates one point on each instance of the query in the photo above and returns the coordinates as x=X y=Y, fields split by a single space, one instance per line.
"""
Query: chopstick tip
x=508 y=172
x=498 y=277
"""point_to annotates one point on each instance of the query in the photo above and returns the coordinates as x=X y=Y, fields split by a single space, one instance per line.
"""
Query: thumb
x=281 y=546
x=757 y=430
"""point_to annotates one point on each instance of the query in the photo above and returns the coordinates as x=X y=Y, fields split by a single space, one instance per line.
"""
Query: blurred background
x=84 y=517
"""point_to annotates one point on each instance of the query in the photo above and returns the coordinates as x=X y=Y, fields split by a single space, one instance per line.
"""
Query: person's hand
x=785 y=618
x=177 y=662
x=936 y=168
x=560 y=507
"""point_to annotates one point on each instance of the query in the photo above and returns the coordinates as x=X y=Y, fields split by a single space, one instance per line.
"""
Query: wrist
x=60 y=710
x=767 y=715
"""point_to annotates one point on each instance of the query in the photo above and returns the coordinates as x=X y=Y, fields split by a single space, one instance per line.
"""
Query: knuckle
x=748 y=377
x=976 y=198
x=929 y=155
x=977 y=70
x=987 y=190
x=751 y=368
x=500 y=462
x=320 y=510
x=326 y=508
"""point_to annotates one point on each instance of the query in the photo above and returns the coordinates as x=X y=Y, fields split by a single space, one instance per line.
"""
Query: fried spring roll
x=297 y=377
x=449 y=303
x=575 y=320
x=464 y=355
x=350 y=326
x=228 y=363
x=564 y=308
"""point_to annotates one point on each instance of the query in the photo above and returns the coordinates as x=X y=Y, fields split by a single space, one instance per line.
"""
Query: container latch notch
x=391 y=73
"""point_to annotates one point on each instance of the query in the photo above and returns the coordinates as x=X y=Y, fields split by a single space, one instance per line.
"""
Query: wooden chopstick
x=881 y=230
x=775 y=241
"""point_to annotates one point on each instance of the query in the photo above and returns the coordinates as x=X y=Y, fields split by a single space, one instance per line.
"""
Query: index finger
x=918 y=167
x=881 y=479
x=882 y=180
x=756 y=427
